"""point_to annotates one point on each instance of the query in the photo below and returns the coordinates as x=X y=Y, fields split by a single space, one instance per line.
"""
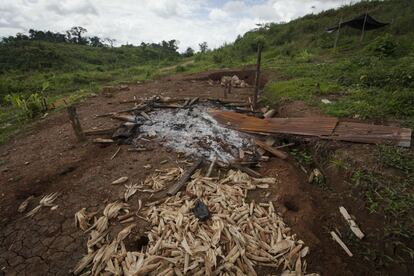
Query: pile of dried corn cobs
x=237 y=237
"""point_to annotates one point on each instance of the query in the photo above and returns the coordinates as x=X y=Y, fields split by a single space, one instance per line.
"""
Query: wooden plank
x=308 y=126
x=352 y=224
x=247 y=170
x=273 y=151
x=180 y=183
x=369 y=133
x=341 y=243
x=100 y=131
x=323 y=127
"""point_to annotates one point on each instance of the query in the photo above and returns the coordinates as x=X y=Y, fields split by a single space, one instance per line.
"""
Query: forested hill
x=45 y=50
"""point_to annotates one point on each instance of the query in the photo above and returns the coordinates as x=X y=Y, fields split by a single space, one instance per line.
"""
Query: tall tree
x=189 y=52
x=203 y=47
x=76 y=35
x=95 y=41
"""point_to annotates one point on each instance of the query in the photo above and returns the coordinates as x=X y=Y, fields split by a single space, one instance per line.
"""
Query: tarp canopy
x=358 y=23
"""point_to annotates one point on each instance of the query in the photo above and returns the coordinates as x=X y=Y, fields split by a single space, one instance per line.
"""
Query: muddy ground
x=47 y=158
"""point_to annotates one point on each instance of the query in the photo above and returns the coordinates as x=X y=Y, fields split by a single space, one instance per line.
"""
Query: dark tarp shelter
x=358 y=23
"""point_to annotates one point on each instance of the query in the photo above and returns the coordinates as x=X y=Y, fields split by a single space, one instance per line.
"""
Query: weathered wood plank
x=323 y=127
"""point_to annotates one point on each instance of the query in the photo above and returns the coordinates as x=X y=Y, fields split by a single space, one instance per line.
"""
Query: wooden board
x=369 y=133
x=323 y=127
x=308 y=126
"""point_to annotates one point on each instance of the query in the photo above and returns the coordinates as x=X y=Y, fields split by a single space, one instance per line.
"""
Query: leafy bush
x=180 y=68
x=383 y=46
x=31 y=105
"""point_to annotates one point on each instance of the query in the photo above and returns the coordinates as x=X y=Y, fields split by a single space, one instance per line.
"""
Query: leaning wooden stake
x=363 y=26
x=337 y=34
x=178 y=185
x=257 y=83
x=74 y=120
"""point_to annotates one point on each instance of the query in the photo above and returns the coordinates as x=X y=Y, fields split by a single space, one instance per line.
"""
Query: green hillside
x=33 y=71
x=373 y=78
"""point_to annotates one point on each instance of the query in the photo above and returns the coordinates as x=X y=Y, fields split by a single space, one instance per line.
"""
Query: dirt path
x=48 y=159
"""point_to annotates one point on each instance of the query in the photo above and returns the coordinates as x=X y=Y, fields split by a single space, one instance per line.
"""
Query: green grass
x=390 y=195
x=304 y=89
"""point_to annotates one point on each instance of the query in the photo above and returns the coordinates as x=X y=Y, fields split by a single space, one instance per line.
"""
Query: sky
x=133 y=21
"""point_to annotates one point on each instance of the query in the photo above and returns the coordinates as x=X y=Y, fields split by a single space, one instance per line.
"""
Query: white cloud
x=217 y=14
x=133 y=21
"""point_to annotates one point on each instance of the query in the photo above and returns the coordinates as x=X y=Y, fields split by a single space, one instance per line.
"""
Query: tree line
x=77 y=35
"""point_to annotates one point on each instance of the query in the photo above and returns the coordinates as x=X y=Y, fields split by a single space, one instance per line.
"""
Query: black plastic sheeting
x=358 y=23
x=201 y=210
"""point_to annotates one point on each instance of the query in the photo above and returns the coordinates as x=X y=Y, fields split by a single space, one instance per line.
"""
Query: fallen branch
x=352 y=224
x=116 y=153
x=178 y=185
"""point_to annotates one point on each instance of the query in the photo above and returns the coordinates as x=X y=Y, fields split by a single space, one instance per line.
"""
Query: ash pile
x=183 y=127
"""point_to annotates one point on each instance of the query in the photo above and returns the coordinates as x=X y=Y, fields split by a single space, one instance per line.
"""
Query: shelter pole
x=337 y=34
x=363 y=26
x=257 y=83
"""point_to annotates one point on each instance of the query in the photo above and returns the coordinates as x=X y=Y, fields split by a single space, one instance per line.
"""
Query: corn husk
x=120 y=180
x=24 y=204
x=238 y=237
x=46 y=201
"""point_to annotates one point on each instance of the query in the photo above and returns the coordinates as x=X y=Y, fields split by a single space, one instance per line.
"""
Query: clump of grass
x=338 y=164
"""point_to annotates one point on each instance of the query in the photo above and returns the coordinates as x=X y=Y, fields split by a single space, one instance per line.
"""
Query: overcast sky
x=189 y=21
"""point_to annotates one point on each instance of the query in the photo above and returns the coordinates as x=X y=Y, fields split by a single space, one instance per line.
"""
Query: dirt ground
x=47 y=158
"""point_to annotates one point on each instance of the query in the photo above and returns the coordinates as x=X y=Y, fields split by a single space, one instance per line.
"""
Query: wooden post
x=337 y=34
x=257 y=83
x=74 y=119
x=363 y=26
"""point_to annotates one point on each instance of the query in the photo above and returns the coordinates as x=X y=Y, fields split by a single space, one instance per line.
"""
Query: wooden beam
x=247 y=170
x=100 y=131
x=273 y=151
x=257 y=83
x=180 y=183
x=74 y=120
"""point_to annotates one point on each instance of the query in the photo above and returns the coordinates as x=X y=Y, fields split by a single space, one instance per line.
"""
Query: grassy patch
x=392 y=196
x=304 y=89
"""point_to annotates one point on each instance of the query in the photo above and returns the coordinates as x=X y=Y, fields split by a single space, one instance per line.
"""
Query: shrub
x=383 y=46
